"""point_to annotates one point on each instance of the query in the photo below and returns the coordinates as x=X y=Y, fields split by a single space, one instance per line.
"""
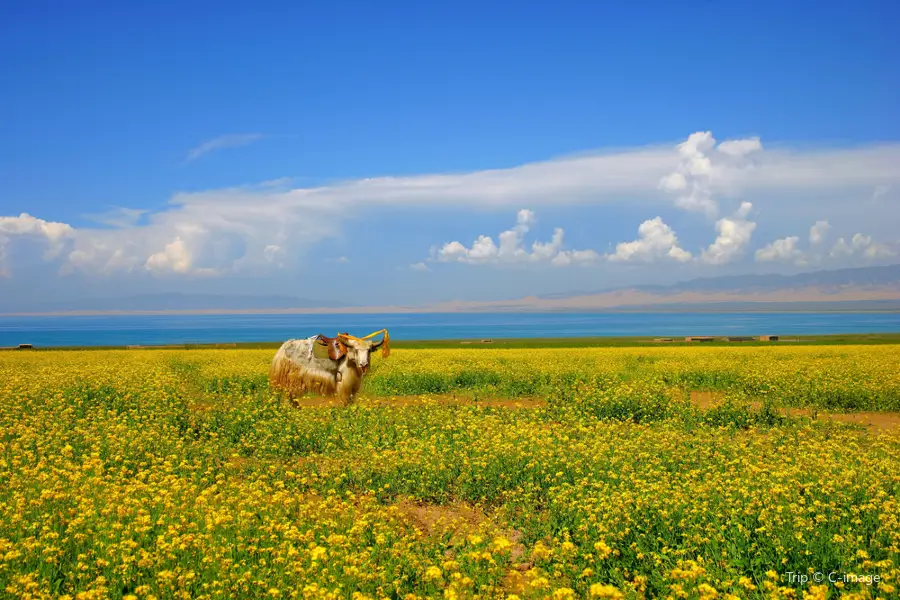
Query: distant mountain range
x=858 y=289
x=748 y=284
x=855 y=289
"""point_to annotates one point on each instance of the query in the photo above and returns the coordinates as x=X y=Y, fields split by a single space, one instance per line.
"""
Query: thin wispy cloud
x=880 y=192
x=233 y=140
x=118 y=216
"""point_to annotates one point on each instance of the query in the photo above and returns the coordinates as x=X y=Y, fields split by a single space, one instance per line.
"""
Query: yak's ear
x=336 y=350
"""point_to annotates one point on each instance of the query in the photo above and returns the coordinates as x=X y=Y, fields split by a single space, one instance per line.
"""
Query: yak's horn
x=385 y=342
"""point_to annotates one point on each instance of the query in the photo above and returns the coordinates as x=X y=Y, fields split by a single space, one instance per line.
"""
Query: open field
x=619 y=472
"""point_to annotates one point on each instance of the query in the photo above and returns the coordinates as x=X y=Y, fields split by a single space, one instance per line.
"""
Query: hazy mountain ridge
x=814 y=306
x=823 y=279
x=856 y=289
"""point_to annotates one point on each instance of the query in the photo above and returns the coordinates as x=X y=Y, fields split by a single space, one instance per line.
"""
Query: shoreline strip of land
x=511 y=343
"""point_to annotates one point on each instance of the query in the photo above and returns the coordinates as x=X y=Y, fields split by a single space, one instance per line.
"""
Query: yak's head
x=359 y=350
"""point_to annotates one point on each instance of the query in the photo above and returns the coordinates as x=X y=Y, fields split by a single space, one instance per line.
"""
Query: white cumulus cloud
x=861 y=245
x=734 y=235
x=818 y=232
x=55 y=237
x=656 y=240
x=784 y=250
x=695 y=180
x=511 y=248
x=53 y=233
x=174 y=257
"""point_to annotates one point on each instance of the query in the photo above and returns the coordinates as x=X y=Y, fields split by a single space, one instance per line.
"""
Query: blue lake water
x=123 y=330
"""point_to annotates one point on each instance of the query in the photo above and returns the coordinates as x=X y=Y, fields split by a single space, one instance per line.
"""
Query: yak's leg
x=353 y=389
x=344 y=393
x=340 y=388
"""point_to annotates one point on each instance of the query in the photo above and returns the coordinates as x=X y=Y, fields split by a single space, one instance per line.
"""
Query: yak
x=296 y=370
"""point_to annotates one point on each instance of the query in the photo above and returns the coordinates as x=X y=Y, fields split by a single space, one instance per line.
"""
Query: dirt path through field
x=876 y=421
x=426 y=400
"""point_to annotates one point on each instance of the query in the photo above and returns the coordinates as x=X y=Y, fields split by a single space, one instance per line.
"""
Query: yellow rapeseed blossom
x=599 y=590
x=816 y=592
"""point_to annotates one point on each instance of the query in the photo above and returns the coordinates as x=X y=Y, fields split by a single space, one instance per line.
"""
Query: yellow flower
x=603 y=551
x=540 y=551
x=707 y=591
x=599 y=590
x=501 y=543
x=816 y=592
x=318 y=553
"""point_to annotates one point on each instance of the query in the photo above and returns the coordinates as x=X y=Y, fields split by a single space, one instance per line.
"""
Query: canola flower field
x=178 y=474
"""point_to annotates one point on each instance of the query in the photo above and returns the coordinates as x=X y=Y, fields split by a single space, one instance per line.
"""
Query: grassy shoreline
x=564 y=342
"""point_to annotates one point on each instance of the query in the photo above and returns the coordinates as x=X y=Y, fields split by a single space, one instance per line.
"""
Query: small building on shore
x=768 y=338
x=699 y=338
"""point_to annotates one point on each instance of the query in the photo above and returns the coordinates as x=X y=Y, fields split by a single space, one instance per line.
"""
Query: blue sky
x=273 y=147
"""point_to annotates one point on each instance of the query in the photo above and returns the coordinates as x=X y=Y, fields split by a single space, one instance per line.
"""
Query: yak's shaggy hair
x=296 y=370
x=295 y=381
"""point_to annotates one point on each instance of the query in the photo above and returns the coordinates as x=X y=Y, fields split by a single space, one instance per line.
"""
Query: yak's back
x=305 y=353
x=296 y=369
